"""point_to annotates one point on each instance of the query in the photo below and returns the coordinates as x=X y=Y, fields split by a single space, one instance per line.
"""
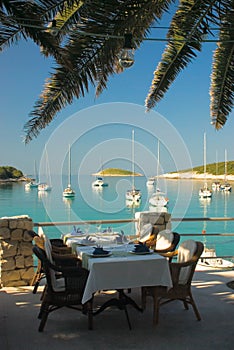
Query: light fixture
x=53 y=29
x=126 y=57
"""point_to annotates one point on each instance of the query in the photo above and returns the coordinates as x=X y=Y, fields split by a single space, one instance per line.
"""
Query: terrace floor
x=177 y=328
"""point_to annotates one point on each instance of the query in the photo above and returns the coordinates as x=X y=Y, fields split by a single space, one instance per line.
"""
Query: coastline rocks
x=16 y=256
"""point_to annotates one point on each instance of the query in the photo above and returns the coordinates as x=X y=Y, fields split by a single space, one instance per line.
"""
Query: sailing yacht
x=158 y=198
x=216 y=184
x=34 y=182
x=205 y=192
x=68 y=191
x=46 y=186
x=226 y=186
x=133 y=196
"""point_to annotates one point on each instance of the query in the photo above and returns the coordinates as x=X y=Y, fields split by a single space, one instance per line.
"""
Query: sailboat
x=46 y=186
x=68 y=191
x=226 y=186
x=133 y=196
x=158 y=198
x=216 y=184
x=205 y=192
x=34 y=182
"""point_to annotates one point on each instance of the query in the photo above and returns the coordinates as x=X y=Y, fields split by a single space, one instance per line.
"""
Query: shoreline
x=115 y=175
x=21 y=179
x=195 y=176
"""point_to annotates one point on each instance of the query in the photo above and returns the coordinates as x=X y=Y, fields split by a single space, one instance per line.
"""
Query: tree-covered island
x=115 y=172
x=9 y=173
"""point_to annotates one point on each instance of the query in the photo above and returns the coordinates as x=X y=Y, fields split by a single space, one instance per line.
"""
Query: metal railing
x=121 y=221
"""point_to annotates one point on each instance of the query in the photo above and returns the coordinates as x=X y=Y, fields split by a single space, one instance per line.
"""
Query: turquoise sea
x=109 y=204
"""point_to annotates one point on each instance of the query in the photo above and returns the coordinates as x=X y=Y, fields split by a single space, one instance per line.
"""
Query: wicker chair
x=65 y=291
x=61 y=255
x=182 y=274
x=164 y=243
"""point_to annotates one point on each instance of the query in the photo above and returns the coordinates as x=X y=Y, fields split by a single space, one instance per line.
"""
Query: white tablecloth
x=122 y=272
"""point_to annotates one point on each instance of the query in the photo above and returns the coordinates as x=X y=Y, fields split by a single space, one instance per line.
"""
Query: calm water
x=109 y=203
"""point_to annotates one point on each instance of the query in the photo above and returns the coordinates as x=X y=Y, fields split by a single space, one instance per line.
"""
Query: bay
x=108 y=203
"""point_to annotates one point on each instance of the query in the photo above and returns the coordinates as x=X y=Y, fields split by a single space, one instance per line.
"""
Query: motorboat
x=150 y=182
x=158 y=199
x=210 y=259
x=99 y=183
x=133 y=196
x=31 y=184
x=68 y=191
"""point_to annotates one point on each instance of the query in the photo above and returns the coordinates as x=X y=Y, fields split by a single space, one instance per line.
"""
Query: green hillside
x=9 y=172
x=116 y=172
x=214 y=168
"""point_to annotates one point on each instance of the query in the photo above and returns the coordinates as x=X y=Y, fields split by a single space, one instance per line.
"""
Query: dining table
x=122 y=269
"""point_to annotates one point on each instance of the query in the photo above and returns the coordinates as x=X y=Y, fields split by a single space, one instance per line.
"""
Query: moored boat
x=158 y=199
x=226 y=186
x=133 y=196
x=44 y=187
x=150 y=182
x=99 y=183
x=210 y=259
x=68 y=191
x=205 y=192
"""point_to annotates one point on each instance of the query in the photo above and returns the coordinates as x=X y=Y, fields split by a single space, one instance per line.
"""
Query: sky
x=185 y=107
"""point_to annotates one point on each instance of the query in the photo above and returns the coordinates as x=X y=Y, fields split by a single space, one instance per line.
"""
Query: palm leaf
x=185 y=38
x=92 y=58
x=222 y=78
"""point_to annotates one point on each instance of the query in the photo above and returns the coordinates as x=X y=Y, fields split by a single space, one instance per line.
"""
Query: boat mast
x=69 y=166
x=133 y=168
x=225 y=166
x=205 y=184
x=158 y=163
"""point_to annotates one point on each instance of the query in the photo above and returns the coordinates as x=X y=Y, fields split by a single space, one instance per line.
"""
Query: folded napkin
x=100 y=251
x=141 y=248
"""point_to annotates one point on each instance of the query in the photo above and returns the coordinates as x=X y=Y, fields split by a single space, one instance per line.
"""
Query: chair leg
x=185 y=304
x=44 y=315
x=156 y=308
x=195 y=308
x=90 y=314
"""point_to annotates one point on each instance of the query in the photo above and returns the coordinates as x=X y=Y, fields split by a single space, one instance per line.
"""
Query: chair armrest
x=66 y=259
x=58 y=242
x=167 y=254
x=62 y=250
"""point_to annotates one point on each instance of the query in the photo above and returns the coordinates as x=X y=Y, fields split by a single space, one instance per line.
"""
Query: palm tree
x=85 y=38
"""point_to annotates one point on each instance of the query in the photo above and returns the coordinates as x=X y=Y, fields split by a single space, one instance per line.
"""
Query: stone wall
x=161 y=220
x=16 y=256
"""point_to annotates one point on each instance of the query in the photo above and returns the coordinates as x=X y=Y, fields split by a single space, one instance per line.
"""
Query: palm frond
x=92 y=58
x=222 y=78
x=185 y=38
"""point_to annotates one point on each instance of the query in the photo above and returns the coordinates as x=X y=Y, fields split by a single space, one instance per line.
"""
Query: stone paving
x=177 y=328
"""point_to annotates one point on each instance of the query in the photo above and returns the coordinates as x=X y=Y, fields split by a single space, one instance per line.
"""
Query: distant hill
x=9 y=172
x=116 y=172
x=213 y=168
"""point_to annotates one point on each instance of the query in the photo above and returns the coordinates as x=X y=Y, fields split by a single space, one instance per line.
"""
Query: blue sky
x=186 y=106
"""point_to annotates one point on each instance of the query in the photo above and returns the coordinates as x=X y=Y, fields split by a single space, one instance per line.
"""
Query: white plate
x=141 y=253
x=100 y=255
